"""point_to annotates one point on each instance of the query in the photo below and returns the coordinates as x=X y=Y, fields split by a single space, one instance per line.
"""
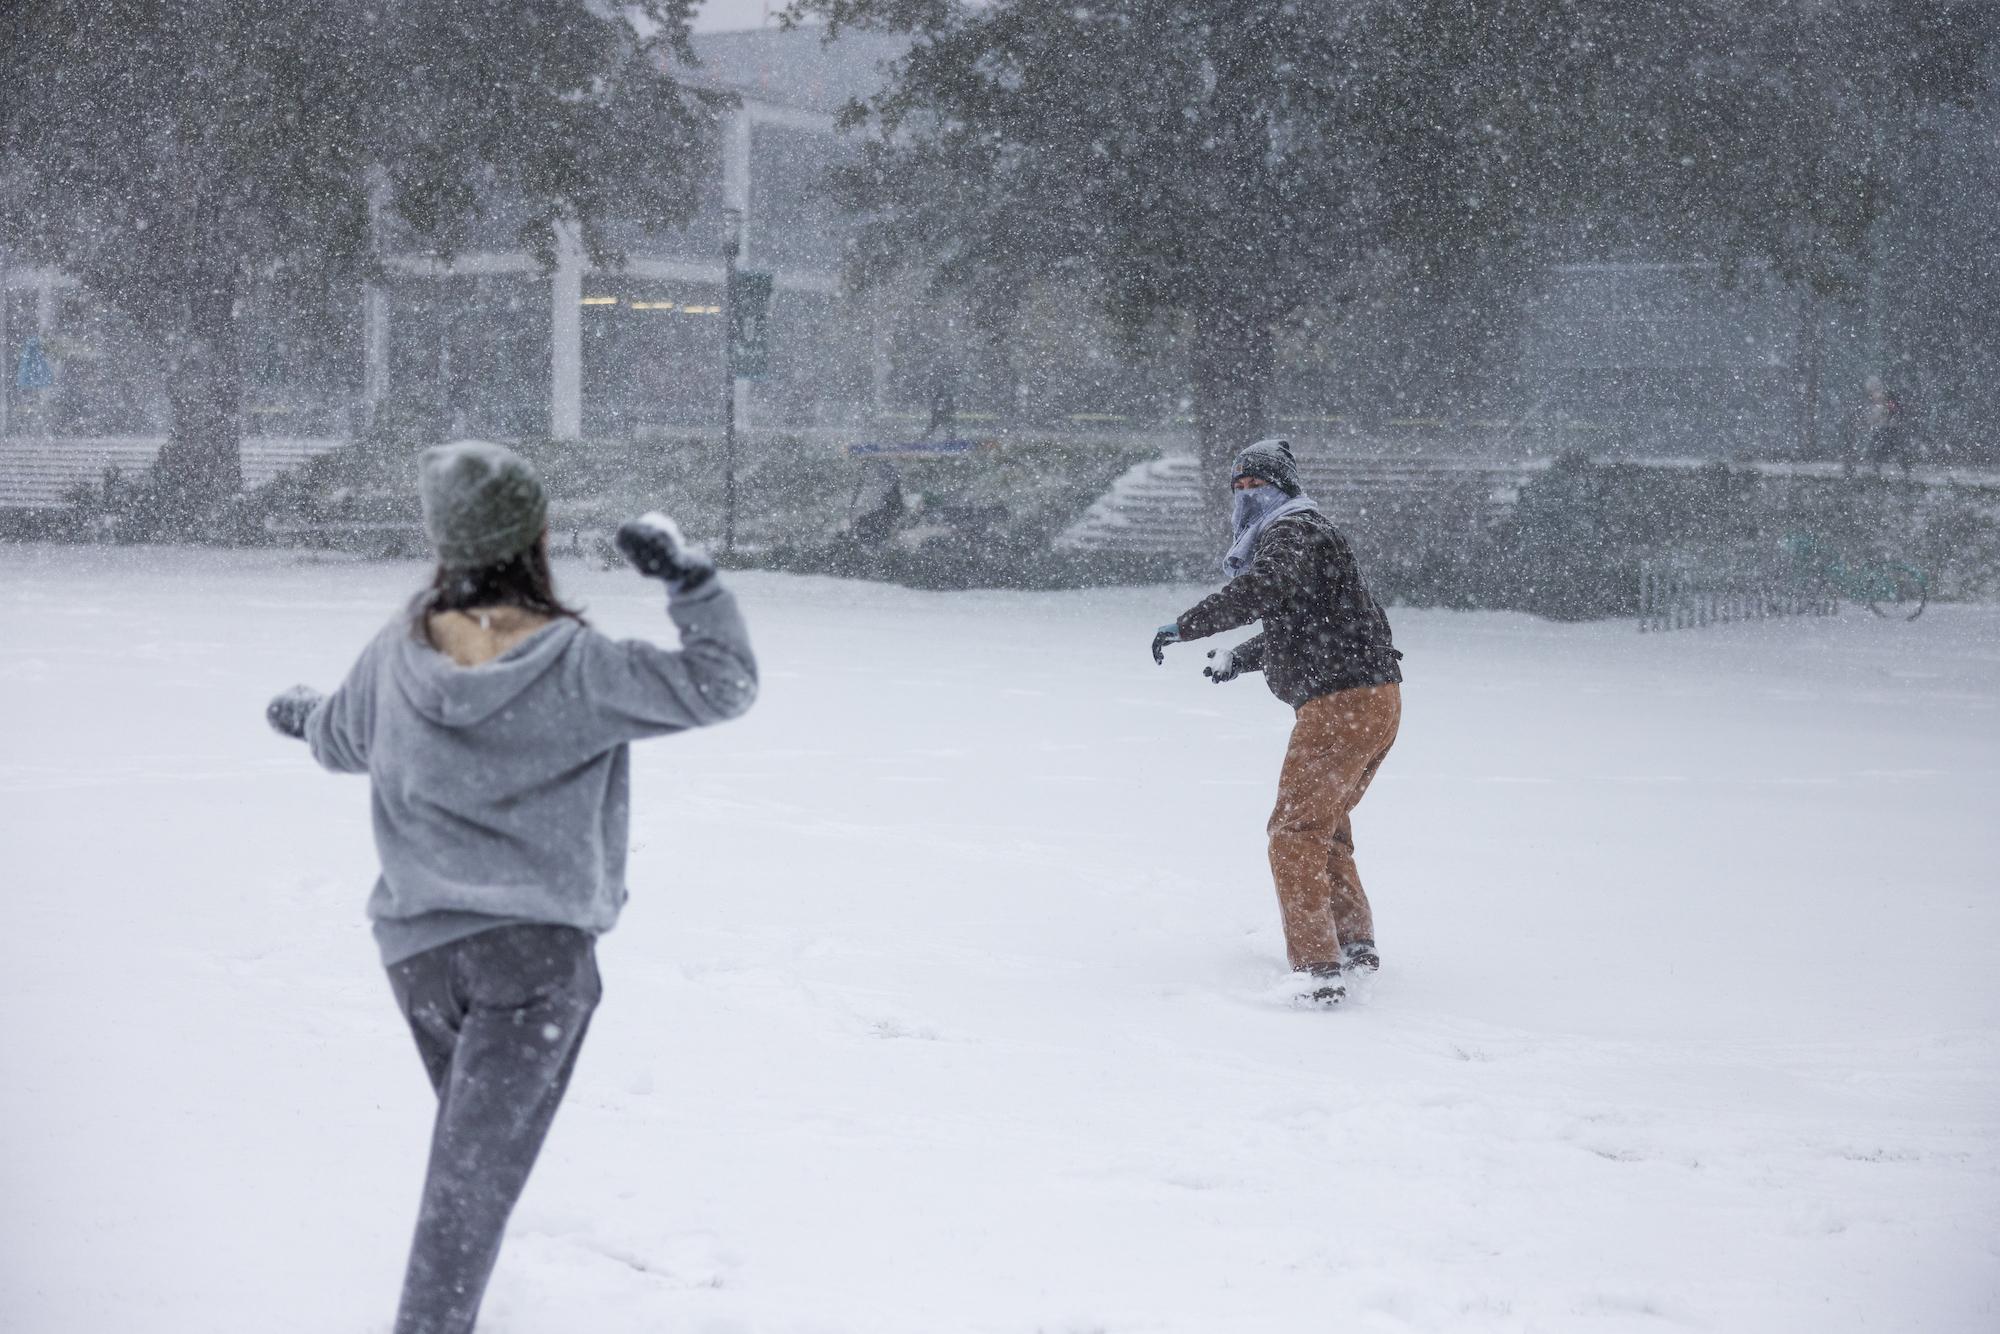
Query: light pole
x=6 y=360
x=732 y=250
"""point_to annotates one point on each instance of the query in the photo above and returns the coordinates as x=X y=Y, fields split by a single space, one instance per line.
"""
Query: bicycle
x=1889 y=588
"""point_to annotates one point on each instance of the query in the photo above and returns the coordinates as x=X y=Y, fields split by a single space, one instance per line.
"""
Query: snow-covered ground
x=947 y=996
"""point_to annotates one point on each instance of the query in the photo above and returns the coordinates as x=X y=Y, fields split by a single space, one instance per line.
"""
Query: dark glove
x=1165 y=635
x=1223 y=667
x=654 y=545
x=289 y=711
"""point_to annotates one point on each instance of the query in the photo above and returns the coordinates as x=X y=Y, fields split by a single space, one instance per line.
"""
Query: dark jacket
x=1322 y=631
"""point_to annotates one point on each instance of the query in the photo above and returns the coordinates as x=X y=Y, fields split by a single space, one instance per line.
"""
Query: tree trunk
x=1234 y=362
x=1809 y=371
x=202 y=462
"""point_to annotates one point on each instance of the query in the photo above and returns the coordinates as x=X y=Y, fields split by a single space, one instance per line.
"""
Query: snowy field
x=947 y=999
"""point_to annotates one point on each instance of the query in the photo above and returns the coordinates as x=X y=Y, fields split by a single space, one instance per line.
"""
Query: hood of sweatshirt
x=454 y=696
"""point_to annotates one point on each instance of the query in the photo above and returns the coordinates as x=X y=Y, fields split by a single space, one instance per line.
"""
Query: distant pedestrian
x=1881 y=429
x=493 y=724
x=1325 y=649
x=878 y=506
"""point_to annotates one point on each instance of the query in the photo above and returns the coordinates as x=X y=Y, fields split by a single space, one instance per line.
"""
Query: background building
x=1618 y=354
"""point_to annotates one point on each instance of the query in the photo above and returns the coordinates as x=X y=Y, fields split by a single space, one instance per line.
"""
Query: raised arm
x=711 y=678
x=648 y=690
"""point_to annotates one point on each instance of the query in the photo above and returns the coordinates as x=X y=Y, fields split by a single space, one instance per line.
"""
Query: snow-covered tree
x=1222 y=163
x=171 y=154
x=1219 y=163
x=1805 y=166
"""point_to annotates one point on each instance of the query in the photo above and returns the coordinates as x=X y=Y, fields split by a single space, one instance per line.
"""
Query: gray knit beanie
x=1271 y=460
x=482 y=503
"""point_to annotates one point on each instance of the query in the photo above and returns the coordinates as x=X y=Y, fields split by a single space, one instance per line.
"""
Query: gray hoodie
x=501 y=792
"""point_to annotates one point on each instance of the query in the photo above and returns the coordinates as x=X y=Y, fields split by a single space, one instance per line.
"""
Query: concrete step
x=1159 y=507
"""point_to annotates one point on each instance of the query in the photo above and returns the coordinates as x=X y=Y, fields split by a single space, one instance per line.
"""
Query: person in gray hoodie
x=494 y=724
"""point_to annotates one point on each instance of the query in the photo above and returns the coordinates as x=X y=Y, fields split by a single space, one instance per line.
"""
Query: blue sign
x=914 y=448
x=35 y=372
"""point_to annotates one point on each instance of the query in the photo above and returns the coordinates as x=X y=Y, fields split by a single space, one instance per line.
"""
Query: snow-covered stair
x=1153 y=507
x=1157 y=507
x=41 y=472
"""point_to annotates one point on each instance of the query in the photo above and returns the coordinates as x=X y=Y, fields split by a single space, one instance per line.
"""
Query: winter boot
x=1360 y=955
x=1323 y=986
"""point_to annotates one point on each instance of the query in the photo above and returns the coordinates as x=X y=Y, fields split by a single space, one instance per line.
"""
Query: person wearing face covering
x=1325 y=650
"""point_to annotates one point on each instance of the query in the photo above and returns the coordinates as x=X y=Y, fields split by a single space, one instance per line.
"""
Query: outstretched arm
x=335 y=727
x=341 y=728
x=1258 y=591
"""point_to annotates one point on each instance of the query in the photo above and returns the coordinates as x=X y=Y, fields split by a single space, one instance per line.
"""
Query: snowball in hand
x=288 y=712
x=656 y=547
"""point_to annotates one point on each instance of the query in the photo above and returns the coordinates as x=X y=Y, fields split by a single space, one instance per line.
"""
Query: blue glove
x=1165 y=635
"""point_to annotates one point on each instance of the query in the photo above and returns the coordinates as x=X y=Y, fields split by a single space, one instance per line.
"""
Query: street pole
x=732 y=248
x=6 y=359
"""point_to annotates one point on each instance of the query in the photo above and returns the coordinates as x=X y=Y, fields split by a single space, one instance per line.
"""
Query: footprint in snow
x=688 y=1261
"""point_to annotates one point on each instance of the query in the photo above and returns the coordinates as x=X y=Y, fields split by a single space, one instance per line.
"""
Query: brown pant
x=1337 y=744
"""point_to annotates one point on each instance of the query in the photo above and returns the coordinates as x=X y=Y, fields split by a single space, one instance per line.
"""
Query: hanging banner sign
x=750 y=324
x=35 y=371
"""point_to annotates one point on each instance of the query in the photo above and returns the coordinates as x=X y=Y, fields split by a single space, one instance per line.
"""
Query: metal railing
x=1681 y=594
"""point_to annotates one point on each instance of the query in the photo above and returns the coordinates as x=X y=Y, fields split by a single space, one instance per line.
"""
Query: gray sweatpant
x=499 y=1018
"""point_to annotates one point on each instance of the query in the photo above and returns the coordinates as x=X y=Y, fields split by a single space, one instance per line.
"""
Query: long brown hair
x=522 y=581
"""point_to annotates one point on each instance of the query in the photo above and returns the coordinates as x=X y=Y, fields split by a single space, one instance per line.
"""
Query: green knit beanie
x=482 y=503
